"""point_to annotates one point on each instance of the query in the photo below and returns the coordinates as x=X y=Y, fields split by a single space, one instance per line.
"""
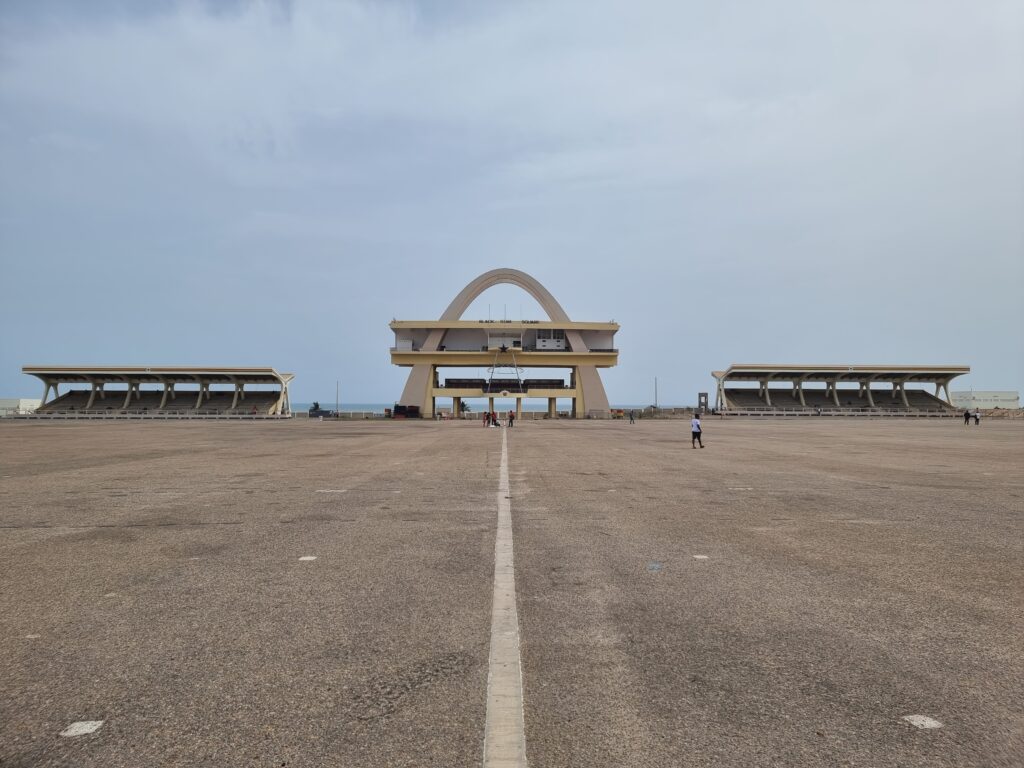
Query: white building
x=13 y=405
x=975 y=399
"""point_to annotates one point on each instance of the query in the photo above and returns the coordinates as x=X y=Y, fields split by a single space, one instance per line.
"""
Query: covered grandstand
x=843 y=390
x=161 y=392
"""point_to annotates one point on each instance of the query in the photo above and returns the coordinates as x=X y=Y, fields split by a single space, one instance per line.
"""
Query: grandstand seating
x=148 y=402
x=783 y=399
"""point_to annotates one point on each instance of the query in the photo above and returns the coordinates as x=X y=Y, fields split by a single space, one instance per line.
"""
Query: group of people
x=491 y=419
x=976 y=416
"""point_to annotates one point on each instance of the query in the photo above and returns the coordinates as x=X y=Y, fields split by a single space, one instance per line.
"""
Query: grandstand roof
x=156 y=374
x=787 y=371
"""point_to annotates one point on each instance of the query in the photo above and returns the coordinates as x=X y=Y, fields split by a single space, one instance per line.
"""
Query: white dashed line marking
x=81 y=728
x=504 y=731
x=308 y=557
x=32 y=637
x=921 y=721
x=700 y=557
x=741 y=488
x=333 y=490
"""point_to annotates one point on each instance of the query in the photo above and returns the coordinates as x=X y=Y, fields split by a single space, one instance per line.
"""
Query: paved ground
x=857 y=572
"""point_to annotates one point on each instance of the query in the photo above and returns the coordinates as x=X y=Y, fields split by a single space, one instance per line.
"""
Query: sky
x=271 y=183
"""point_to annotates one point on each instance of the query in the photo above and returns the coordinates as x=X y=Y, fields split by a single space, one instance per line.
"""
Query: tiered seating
x=783 y=399
x=74 y=400
x=544 y=383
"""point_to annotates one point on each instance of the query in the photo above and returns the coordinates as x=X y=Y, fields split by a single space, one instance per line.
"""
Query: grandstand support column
x=519 y=408
x=238 y=388
x=552 y=407
x=168 y=388
x=199 y=400
x=490 y=405
x=798 y=391
x=944 y=385
x=866 y=385
x=92 y=396
x=47 y=385
x=835 y=392
x=456 y=407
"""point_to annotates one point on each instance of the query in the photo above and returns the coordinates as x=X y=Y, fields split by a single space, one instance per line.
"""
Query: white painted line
x=111 y=594
x=333 y=490
x=81 y=728
x=504 y=732
x=308 y=557
x=700 y=557
x=741 y=488
x=921 y=721
x=32 y=637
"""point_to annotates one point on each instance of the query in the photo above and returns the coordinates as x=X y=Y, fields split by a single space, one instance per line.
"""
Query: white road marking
x=741 y=488
x=308 y=557
x=921 y=721
x=111 y=594
x=333 y=490
x=32 y=637
x=504 y=732
x=700 y=557
x=81 y=728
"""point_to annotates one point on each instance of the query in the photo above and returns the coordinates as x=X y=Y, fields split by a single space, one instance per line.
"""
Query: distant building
x=989 y=400
x=13 y=405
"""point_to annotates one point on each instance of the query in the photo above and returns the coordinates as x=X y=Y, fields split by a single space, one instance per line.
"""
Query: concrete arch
x=594 y=396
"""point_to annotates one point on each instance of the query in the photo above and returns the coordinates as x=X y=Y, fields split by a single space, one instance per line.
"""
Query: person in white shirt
x=695 y=429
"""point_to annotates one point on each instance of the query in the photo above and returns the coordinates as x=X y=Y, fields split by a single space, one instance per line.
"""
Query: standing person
x=695 y=431
x=632 y=416
x=977 y=417
x=967 y=417
x=511 y=419
x=494 y=419
x=487 y=418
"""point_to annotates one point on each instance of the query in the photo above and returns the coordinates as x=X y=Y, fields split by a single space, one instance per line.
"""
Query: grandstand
x=171 y=392
x=865 y=392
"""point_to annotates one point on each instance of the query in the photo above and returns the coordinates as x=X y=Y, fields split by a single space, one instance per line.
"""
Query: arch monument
x=504 y=348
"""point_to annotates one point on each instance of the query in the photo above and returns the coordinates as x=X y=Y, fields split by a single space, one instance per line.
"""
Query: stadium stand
x=182 y=392
x=871 y=396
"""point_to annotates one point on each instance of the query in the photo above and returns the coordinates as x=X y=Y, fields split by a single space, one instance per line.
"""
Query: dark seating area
x=815 y=398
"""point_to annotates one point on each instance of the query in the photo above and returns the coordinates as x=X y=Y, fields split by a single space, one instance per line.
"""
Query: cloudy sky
x=270 y=183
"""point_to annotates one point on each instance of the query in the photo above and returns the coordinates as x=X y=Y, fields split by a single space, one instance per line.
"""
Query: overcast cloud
x=271 y=183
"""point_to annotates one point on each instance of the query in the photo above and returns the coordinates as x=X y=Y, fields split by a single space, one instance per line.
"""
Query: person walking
x=967 y=417
x=632 y=416
x=695 y=431
x=977 y=417
x=511 y=419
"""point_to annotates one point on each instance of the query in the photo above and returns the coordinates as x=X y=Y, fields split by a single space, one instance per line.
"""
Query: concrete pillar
x=552 y=407
x=767 y=394
x=798 y=386
x=234 y=400
x=490 y=405
x=867 y=392
x=128 y=397
x=199 y=400
x=92 y=397
x=519 y=408
x=456 y=407
x=163 y=400
x=903 y=394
